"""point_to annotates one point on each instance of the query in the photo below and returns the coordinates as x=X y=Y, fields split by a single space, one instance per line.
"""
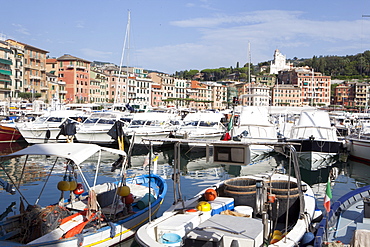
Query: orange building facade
x=76 y=73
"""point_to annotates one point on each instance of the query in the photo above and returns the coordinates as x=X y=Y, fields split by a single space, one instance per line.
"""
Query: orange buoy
x=210 y=195
x=79 y=189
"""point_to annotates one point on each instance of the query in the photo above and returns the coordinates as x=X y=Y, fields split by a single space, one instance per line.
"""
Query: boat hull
x=316 y=154
x=42 y=135
x=96 y=137
x=9 y=134
x=359 y=149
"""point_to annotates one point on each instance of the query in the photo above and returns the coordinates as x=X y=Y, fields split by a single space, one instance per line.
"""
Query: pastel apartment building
x=286 y=95
x=315 y=87
x=76 y=73
x=30 y=65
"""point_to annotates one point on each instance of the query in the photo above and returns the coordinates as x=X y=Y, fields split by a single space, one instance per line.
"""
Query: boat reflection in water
x=11 y=147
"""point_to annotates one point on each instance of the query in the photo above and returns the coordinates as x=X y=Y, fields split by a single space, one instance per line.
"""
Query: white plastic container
x=244 y=210
x=221 y=204
x=179 y=224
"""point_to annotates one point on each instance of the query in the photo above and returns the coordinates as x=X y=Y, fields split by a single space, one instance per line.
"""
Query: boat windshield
x=40 y=120
x=192 y=123
x=105 y=121
x=173 y=122
x=207 y=124
x=91 y=120
x=55 y=119
x=137 y=122
x=154 y=123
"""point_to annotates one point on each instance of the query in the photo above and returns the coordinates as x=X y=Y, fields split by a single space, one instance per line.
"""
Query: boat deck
x=348 y=221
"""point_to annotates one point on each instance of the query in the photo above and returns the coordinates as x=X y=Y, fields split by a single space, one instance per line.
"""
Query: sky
x=178 y=35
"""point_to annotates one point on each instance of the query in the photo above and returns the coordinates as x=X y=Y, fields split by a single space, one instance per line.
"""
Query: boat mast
x=313 y=89
x=249 y=74
x=121 y=62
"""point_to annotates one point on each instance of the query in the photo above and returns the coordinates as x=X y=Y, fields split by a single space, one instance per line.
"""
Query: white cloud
x=222 y=40
x=20 y=29
x=90 y=53
x=80 y=24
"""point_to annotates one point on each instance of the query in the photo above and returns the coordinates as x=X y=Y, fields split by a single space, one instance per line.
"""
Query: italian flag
x=328 y=196
x=230 y=125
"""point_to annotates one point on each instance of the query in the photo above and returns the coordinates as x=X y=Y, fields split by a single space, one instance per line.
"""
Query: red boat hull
x=9 y=134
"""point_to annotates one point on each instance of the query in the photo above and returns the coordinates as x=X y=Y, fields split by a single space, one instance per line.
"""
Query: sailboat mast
x=121 y=62
x=128 y=31
x=249 y=74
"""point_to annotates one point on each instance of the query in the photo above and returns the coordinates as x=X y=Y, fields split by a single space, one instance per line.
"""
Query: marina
x=172 y=135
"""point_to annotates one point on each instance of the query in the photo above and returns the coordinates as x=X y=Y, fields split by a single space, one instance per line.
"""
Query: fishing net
x=39 y=221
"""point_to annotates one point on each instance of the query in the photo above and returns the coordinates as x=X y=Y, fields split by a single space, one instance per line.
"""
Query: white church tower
x=279 y=63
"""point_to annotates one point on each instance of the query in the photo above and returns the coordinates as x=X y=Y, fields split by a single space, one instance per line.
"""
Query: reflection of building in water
x=30 y=173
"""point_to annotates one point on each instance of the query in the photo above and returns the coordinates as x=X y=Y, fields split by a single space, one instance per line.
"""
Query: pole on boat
x=149 y=185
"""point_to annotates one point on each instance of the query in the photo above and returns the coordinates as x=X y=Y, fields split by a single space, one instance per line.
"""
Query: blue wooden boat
x=348 y=221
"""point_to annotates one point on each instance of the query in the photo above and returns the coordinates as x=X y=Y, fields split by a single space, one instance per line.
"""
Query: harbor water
x=198 y=172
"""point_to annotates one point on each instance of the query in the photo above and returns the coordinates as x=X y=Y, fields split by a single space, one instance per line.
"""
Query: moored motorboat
x=92 y=213
x=317 y=140
x=46 y=128
x=201 y=126
x=151 y=125
x=358 y=144
x=254 y=126
x=96 y=127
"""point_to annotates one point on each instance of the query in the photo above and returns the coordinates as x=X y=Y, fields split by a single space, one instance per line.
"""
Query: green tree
x=29 y=96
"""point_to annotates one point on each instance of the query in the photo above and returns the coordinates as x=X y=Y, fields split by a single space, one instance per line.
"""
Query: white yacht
x=95 y=128
x=46 y=128
x=202 y=125
x=253 y=126
x=316 y=137
x=153 y=125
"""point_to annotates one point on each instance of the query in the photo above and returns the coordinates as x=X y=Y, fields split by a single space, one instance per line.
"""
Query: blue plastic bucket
x=171 y=239
x=144 y=202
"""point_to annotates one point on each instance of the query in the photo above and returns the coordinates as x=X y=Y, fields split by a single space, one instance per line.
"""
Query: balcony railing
x=35 y=77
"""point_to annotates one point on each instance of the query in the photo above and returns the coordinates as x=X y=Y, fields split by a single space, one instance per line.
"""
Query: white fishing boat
x=253 y=126
x=348 y=221
x=201 y=125
x=92 y=213
x=46 y=128
x=96 y=127
x=262 y=209
x=316 y=137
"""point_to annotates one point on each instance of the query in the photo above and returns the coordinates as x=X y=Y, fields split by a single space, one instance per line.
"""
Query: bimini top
x=77 y=152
